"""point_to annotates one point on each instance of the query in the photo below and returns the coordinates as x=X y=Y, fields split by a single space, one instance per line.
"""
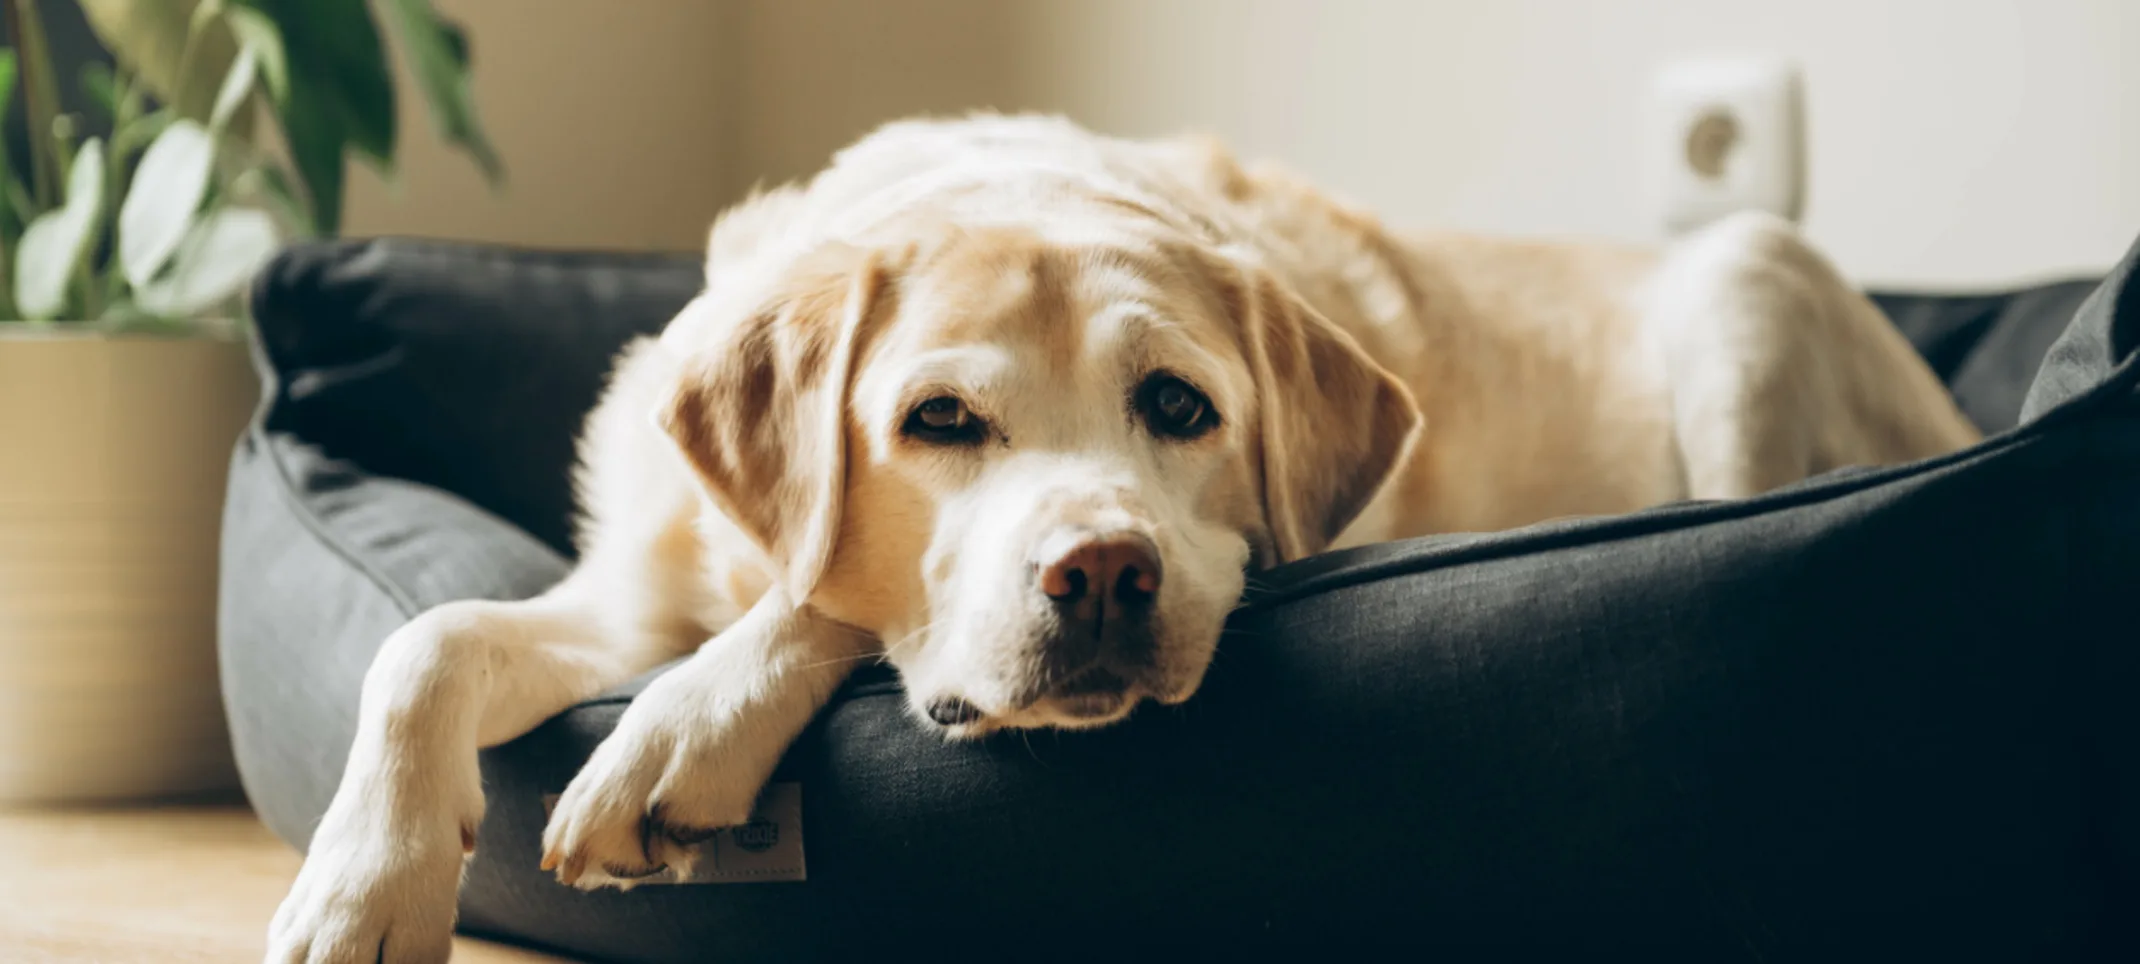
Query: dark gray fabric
x=1987 y=347
x=463 y=368
x=1882 y=715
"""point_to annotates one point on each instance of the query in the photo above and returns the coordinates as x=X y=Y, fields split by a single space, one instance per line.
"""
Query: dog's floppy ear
x=1333 y=423
x=759 y=410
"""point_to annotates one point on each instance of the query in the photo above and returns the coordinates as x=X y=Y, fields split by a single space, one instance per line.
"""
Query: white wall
x=1959 y=142
x=1964 y=142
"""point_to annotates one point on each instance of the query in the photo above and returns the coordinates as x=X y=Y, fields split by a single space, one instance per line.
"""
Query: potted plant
x=124 y=378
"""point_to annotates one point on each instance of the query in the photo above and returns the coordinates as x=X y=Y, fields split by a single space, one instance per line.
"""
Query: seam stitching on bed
x=320 y=530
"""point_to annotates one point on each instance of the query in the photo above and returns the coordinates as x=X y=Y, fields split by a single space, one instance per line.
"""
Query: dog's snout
x=1119 y=571
x=1102 y=587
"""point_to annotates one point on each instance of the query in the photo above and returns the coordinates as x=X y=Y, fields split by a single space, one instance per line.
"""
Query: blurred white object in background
x=1724 y=135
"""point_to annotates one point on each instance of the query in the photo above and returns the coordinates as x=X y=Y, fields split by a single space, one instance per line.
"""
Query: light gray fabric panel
x=320 y=564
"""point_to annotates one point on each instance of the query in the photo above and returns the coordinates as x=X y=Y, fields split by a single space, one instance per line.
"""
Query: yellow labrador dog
x=1013 y=406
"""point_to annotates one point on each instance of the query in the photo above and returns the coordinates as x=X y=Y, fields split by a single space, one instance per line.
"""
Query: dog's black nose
x=952 y=711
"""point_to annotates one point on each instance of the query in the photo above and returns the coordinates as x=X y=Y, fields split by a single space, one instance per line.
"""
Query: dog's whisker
x=856 y=658
x=881 y=655
x=909 y=637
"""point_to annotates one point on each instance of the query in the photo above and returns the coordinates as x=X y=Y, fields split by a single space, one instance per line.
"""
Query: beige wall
x=1951 y=141
x=608 y=114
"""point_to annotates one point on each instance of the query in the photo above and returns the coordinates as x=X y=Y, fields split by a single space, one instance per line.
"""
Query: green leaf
x=7 y=79
x=9 y=213
x=20 y=209
x=122 y=311
x=150 y=38
x=336 y=44
x=218 y=257
x=101 y=86
x=336 y=90
x=267 y=182
x=315 y=135
x=258 y=33
x=140 y=132
x=12 y=213
x=204 y=13
x=437 y=52
x=40 y=100
x=168 y=186
x=236 y=85
x=54 y=244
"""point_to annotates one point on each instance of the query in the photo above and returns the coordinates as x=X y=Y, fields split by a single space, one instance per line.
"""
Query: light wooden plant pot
x=113 y=455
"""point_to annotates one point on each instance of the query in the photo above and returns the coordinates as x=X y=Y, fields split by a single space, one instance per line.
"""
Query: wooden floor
x=168 y=885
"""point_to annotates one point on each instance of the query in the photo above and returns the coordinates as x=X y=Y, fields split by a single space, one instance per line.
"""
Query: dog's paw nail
x=633 y=873
x=689 y=836
x=690 y=833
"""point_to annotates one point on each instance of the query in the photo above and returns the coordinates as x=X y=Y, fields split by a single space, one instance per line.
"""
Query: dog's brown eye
x=945 y=420
x=1174 y=409
x=941 y=414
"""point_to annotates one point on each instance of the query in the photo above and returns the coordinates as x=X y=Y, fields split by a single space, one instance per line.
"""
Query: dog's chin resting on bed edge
x=1012 y=407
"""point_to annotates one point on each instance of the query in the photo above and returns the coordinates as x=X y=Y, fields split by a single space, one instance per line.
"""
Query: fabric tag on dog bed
x=768 y=849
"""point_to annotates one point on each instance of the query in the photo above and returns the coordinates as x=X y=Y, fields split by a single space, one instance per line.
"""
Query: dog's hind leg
x=1779 y=370
x=381 y=878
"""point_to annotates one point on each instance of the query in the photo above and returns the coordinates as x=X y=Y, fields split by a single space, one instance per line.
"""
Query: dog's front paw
x=666 y=781
x=378 y=893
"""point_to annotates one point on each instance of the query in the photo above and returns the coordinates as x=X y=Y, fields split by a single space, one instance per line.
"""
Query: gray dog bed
x=1881 y=715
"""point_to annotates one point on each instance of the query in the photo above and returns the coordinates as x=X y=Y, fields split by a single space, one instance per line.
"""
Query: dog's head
x=1036 y=471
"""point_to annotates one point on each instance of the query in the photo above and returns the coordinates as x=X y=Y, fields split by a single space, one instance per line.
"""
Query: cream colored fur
x=757 y=501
